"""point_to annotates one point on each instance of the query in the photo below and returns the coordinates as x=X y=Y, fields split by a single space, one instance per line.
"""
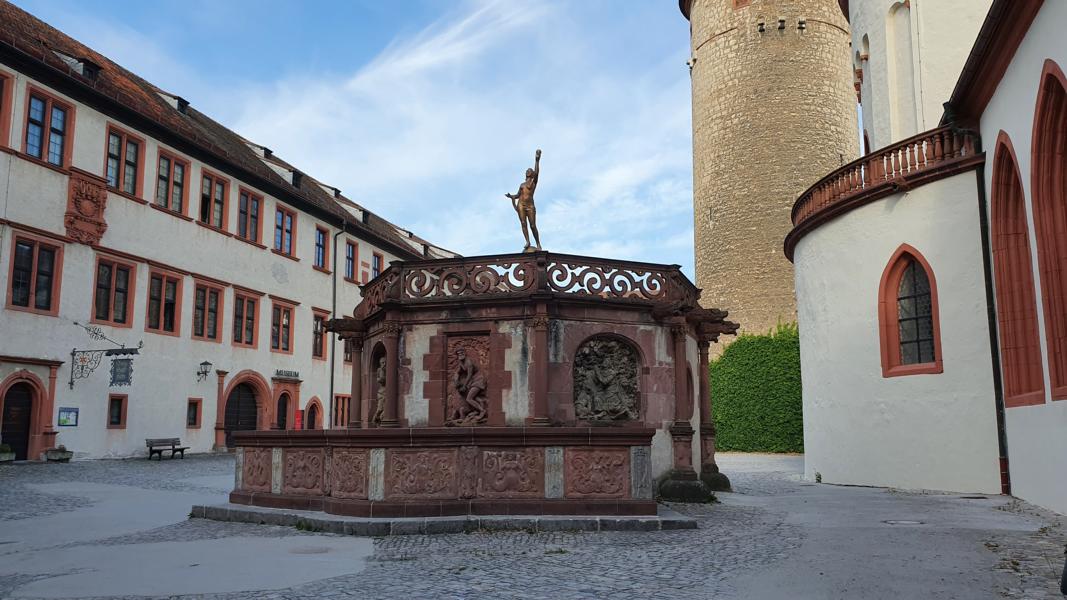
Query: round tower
x=774 y=110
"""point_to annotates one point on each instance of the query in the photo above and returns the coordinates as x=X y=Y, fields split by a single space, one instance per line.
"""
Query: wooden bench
x=160 y=445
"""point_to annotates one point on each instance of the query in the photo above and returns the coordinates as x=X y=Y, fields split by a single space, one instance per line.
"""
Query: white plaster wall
x=1037 y=435
x=164 y=372
x=915 y=432
x=416 y=345
x=942 y=34
x=517 y=398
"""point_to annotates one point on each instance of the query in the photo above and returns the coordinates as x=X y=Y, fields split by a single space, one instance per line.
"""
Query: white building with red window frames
x=127 y=211
x=931 y=274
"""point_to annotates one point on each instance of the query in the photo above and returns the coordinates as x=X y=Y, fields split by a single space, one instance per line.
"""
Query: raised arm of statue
x=537 y=165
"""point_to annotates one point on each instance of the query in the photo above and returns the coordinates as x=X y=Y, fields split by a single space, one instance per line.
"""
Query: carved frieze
x=86 y=201
x=256 y=470
x=303 y=472
x=422 y=474
x=516 y=473
x=606 y=381
x=349 y=473
x=468 y=472
x=597 y=472
x=466 y=404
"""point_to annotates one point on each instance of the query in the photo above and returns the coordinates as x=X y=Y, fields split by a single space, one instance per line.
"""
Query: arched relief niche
x=607 y=386
x=376 y=385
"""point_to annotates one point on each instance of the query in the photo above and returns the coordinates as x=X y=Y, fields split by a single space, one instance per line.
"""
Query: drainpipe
x=333 y=314
x=991 y=315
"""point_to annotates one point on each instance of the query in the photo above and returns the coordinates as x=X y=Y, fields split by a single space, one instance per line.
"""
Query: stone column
x=392 y=371
x=682 y=483
x=540 y=368
x=355 y=401
x=220 y=411
x=49 y=432
x=709 y=471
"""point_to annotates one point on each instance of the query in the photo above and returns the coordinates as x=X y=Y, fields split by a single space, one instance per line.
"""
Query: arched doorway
x=312 y=417
x=241 y=412
x=15 y=427
x=283 y=410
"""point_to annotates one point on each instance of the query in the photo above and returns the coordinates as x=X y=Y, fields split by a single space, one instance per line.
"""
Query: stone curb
x=666 y=520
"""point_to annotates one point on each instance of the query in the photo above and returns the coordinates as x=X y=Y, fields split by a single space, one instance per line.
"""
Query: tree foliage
x=755 y=391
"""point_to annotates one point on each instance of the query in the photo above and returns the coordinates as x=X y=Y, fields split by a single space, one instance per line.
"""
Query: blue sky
x=428 y=111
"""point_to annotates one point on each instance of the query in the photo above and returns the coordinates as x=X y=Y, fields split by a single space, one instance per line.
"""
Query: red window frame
x=339 y=414
x=239 y=337
x=351 y=261
x=202 y=320
x=165 y=277
x=199 y=406
x=124 y=400
x=7 y=87
x=50 y=101
x=322 y=259
x=281 y=318
x=168 y=192
x=888 y=315
x=121 y=176
x=215 y=181
x=279 y=246
x=131 y=292
x=252 y=231
x=318 y=334
x=57 y=274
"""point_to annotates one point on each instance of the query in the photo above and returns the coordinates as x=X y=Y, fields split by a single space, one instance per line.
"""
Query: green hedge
x=755 y=391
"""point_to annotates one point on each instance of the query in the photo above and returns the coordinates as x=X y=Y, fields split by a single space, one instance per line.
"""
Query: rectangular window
x=318 y=337
x=35 y=276
x=281 y=328
x=122 y=166
x=114 y=281
x=164 y=303
x=350 y=261
x=207 y=305
x=340 y=410
x=192 y=413
x=248 y=215
x=116 y=411
x=170 y=183
x=347 y=352
x=283 y=231
x=213 y=201
x=244 y=321
x=46 y=129
x=321 y=255
x=376 y=265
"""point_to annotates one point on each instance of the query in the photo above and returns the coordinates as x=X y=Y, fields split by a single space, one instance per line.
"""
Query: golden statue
x=523 y=202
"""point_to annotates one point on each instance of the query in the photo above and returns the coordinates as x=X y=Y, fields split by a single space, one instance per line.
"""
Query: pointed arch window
x=1049 y=189
x=908 y=316
x=1016 y=303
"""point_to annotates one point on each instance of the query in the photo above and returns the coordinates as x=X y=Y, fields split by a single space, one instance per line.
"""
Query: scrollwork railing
x=518 y=275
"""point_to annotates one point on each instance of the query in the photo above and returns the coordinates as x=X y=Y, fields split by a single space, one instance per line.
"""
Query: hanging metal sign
x=84 y=362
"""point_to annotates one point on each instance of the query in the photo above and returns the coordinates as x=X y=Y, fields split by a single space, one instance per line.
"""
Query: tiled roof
x=40 y=42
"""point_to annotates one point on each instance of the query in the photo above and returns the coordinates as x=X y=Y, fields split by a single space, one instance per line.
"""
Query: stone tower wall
x=773 y=112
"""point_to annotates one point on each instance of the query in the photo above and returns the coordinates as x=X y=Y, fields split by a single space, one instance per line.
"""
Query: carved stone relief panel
x=597 y=472
x=256 y=470
x=350 y=467
x=606 y=381
x=420 y=474
x=303 y=472
x=86 y=201
x=468 y=472
x=512 y=473
x=467 y=364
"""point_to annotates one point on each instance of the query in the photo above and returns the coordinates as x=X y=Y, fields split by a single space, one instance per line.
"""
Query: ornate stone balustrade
x=421 y=472
x=920 y=159
x=527 y=274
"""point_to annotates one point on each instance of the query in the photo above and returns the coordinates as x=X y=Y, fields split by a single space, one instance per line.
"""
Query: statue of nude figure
x=523 y=202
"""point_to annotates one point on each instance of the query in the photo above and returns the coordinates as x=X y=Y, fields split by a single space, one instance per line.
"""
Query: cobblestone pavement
x=766 y=540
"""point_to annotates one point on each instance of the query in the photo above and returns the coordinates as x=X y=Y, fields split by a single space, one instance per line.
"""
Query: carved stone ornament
x=466 y=403
x=597 y=473
x=349 y=473
x=87 y=199
x=513 y=473
x=256 y=470
x=303 y=472
x=423 y=474
x=606 y=381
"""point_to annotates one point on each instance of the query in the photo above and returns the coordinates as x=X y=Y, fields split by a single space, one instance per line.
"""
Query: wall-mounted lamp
x=203 y=371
